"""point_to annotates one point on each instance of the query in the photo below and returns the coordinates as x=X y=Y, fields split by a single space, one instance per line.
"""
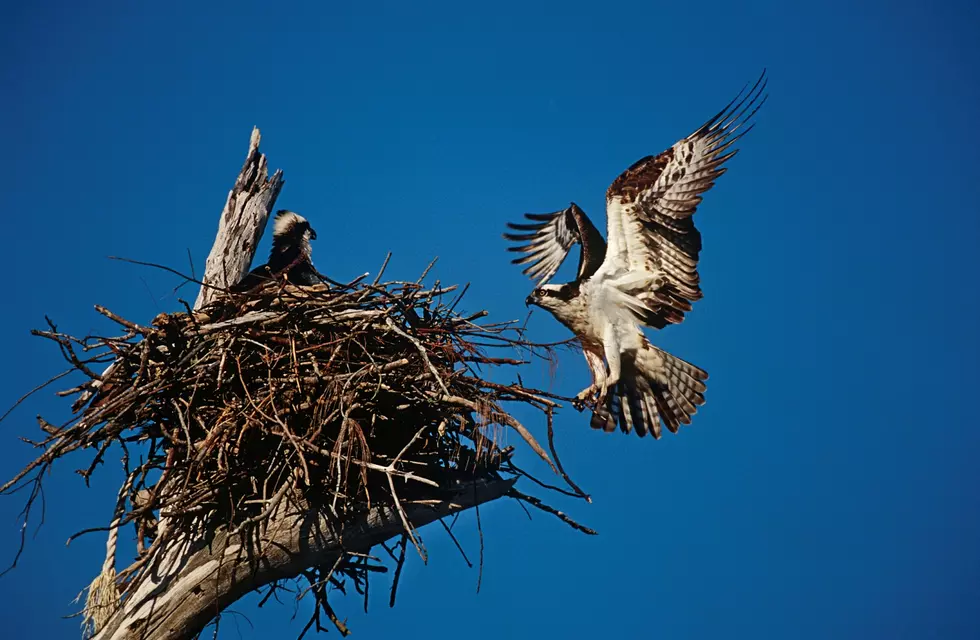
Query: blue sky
x=829 y=486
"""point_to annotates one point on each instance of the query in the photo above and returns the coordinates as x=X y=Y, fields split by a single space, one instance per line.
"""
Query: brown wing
x=550 y=236
x=652 y=237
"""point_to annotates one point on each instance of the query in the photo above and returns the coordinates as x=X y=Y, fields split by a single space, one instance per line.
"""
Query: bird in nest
x=290 y=257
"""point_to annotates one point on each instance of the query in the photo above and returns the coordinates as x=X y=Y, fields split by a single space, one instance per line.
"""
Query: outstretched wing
x=550 y=236
x=653 y=243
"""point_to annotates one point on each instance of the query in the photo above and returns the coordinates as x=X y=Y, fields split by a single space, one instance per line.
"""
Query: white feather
x=284 y=221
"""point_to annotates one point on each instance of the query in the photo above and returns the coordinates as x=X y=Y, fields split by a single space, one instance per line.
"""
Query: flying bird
x=647 y=275
x=291 y=254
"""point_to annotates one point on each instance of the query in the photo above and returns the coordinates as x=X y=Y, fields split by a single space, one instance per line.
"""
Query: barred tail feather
x=656 y=389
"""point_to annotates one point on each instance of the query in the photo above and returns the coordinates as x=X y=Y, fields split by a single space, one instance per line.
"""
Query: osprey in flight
x=646 y=276
x=291 y=254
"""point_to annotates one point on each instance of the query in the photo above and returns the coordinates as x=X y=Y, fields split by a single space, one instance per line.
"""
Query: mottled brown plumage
x=639 y=176
x=647 y=274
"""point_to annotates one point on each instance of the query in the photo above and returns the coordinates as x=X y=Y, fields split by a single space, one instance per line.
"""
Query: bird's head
x=553 y=296
x=292 y=228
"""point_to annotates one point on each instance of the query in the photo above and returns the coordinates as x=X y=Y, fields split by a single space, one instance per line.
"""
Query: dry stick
x=340 y=558
x=541 y=395
x=509 y=421
x=455 y=302
x=410 y=443
x=162 y=267
x=538 y=482
x=408 y=528
x=381 y=271
x=398 y=569
x=126 y=323
x=536 y=502
x=456 y=542
x=426 y=272
x=554 y=453
x=25 y=515
x=421 y=349
x=35 y=390
x=479 y=527
x=45 y=459
x=524 y=392
x=408 y=475
x=68 y=351
x=268 y=511
x=292 y=438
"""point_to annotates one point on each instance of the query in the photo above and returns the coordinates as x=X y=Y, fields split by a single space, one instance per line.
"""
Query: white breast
x=605 y=307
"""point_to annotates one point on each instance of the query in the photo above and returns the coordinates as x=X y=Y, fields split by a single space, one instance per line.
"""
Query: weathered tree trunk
x=217 y=574
x=242 y=222
x=195 y=580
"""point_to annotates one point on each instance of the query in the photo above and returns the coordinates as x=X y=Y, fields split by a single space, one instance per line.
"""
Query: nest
x=336 y=398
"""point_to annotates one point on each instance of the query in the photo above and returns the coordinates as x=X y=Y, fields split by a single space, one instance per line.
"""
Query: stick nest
x=337 y=398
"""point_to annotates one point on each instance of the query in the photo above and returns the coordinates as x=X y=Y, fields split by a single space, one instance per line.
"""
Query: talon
x=584 y=398
x=585 y=393
x=601 y=400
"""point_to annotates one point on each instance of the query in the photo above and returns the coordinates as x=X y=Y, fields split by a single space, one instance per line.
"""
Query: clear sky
x=828 y=488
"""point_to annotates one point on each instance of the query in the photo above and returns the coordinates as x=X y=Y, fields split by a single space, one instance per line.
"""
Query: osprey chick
x=647 y=275
x=291 y=254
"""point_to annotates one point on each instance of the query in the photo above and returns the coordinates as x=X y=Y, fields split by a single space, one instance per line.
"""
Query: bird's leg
x=598 y=370
x=586 y=393
x=610 y=345
x=585 y=397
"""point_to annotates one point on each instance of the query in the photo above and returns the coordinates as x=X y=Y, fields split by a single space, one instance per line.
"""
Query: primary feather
x=549 y=238
x=650 y=208
x=647 y=274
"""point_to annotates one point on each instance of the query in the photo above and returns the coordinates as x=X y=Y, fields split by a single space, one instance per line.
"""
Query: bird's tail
x=655 y=387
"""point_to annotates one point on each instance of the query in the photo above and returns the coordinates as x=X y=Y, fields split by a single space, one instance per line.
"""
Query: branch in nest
x=331 y=403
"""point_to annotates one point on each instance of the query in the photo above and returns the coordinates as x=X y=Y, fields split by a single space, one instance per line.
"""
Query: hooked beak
x=528 y=301
x=312 y=234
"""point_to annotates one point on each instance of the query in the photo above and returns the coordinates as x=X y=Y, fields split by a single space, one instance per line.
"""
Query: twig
x=536 y=502
x=421 y=349
x=35 y=390
x=381 y=271
x=456 y=542
x=398 y=569
x=409 y=530
x=479 y=528
x=551 y=445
